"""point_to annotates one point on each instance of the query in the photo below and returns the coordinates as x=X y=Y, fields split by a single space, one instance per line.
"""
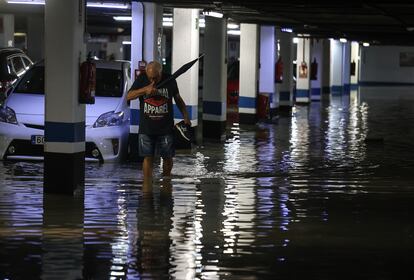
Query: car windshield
x=108 y=82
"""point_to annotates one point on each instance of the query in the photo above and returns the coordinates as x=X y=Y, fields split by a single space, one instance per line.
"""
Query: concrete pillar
x=303 y=79
x=64 y=162
x=114 y=48
x=215 y=78
x=354 y=60
x=36 y=37
x=326 y=67
x=186 y=48
x=145 y=45
x=268 y=58
x=346 y=64
x=6 y=30
x=249 y=63
x=55 y=244
x=336 y=60
x=317 y=56
x=285 y=89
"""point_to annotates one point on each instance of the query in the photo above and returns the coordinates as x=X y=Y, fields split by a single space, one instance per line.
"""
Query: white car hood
x=29 y=108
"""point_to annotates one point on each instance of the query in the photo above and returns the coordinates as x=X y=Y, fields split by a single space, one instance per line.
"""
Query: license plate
x=38 y=139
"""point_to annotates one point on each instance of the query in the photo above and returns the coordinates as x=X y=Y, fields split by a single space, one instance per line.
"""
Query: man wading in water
x=156 y=117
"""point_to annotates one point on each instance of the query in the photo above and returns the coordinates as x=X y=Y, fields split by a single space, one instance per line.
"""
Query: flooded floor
x=326 y=192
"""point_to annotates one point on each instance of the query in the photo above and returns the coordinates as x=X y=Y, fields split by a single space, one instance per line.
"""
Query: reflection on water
x=326 y=193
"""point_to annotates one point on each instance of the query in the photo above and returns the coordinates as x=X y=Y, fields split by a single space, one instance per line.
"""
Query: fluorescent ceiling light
x=365 y=44
x=107 y=5
x=19 y=34
x=90 y=4
x=167 y=24
x=287 y=30
x=122 y=18
x=126 y=42
x=28 y=2
x=234 y=32
x=232 y=26
x=343 y=40
x=167 y=19
x=213 y=14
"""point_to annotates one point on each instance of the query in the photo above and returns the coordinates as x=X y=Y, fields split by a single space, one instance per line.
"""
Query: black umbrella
x=180 y=71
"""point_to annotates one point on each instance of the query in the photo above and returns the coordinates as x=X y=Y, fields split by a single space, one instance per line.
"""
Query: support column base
x=214 y=130
x=64 y=173
x=245 y=118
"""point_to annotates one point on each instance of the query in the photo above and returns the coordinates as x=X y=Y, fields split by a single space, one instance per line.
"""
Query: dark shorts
x=152 y=145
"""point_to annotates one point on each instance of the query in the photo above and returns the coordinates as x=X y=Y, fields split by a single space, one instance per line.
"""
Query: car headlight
x=7 y=115
x=109 y=119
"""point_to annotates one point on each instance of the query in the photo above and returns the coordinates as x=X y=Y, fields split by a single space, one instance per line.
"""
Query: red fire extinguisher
x=314 y=70
x=87 y=81
x=142 y=64
x=279 y=71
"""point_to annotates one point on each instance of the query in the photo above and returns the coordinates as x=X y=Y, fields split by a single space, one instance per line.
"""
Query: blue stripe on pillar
x=347 y=88
x=212 y=107
x=354 y=86
x=336 y=90
x=302 y=93
x=247 y=102
x=191 y=109
x=284 y=96
x=316 y=91
x=134 y=120
x=64 y=132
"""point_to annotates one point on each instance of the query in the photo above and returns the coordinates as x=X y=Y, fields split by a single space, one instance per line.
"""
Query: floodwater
x=325 y=192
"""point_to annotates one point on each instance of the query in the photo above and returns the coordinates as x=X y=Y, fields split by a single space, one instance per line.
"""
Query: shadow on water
x=313 y=196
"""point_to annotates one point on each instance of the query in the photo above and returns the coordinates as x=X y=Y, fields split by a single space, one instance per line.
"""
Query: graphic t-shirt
x=156 y=110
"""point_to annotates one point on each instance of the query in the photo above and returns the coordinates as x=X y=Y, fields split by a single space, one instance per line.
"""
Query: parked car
x=13 y=64
x=233 y=71
x=107 y=121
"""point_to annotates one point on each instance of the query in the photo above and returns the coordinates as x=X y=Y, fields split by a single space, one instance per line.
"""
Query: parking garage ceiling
x=379 y=22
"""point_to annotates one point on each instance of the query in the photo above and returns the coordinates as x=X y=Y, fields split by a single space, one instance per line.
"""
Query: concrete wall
x=381 y=64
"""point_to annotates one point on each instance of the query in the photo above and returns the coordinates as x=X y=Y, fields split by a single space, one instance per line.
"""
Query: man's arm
x=135 y=93
x=181 y=106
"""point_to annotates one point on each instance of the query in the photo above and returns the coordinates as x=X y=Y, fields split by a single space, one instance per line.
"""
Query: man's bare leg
x=167 y=165
x=147 y=168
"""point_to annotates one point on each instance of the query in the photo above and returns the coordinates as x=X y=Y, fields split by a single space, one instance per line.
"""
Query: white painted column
x=326 y=67
x=355 y=59
x=336 y=59
x=317 y=55
x=186 y=48
x=346 y=64
x=145 y=45
x=249 y=63
x=268 y=58
x=215 y=78
x=285 y=89
x=6 y=30
x=64 y=162
x=36 y=37
x=303 y=82
x=114 y=48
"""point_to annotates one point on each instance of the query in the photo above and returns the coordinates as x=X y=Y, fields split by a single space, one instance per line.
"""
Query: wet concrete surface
x=326 y=192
